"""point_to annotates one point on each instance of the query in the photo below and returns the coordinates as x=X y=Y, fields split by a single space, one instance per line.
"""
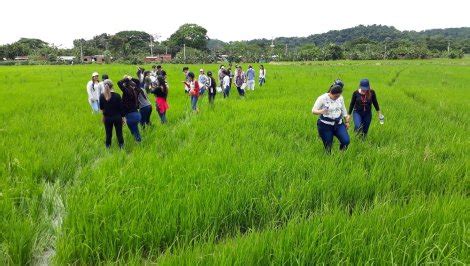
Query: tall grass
x=244 y=183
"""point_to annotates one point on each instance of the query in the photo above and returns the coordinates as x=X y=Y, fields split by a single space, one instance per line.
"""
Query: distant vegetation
x=357 y=43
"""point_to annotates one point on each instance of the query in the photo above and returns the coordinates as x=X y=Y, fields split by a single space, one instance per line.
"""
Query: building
x=21 y=58
x=66 y=58
x=158 y=58
x=99 y=59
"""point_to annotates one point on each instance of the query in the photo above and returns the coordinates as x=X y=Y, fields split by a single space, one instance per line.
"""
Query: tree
x=191 y=35
x=193 y=56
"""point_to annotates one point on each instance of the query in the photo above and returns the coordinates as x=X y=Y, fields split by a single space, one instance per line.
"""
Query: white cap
x=201 y=70
x=95 y=74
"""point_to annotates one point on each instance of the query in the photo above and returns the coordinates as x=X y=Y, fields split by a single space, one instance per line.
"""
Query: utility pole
x=286 y=49
x=81 y=51
x=184 y=52
x=151 y=46
x=448 y=47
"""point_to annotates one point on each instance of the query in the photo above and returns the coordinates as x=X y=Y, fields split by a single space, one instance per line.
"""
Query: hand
x=123 y=120
x=324 y=111
x=347 y=125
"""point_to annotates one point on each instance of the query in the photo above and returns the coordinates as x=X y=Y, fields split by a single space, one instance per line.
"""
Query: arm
x=351 y=105
x=344 y=113
x=316 y=110
x=121 y=107
x=375 y=102
x=102 y=102
x=121 y=84
x=136 y=81
x=88 y=90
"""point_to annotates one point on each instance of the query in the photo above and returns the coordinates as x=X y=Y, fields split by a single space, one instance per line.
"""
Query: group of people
x=134 y=107
x=334 y=119
x=242 y=80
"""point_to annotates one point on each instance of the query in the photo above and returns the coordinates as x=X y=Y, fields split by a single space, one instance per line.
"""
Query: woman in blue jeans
x=130 y=92
x=193 y=90
x=332 y=110
x=361 y=107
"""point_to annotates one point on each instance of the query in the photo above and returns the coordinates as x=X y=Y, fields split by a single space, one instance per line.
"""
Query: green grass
x=244 y=183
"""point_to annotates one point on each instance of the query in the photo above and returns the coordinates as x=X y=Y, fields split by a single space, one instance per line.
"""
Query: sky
x=60 y=22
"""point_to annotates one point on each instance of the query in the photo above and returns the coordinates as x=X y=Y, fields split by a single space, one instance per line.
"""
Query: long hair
x=108 y=88
x=367 y=94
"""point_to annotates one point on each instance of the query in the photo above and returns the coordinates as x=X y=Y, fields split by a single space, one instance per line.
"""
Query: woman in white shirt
x=93 y=89
x=332 y=110
x=262 y=75
x=226 y=84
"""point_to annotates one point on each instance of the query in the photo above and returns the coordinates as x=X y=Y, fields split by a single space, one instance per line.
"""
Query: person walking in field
x=262 y=75
x=240 y=80
x=332 y=110
x=160 y=90
x=226 y=84
x=186 y=78
x=141 y=76
x=130 y=93
x=361 y=107
x=250 y=78
x=93 y=89
x=113 y=113
x=145 y=108
x=202 y=79
x=211 y=88
x=160 y=72
x=221 y=74
x=193 y=91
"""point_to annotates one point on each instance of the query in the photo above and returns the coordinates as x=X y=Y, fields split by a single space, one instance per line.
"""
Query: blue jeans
x=240 y=91
x=362 y=122
x=145 y=113
x=132 y=120
x=162 y=117
x=262 y=81
x=226 y=91
x=95 y=106
x=327 y=132
x=194 y=102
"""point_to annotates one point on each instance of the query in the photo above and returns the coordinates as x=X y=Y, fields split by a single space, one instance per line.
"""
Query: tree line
x=191 y=44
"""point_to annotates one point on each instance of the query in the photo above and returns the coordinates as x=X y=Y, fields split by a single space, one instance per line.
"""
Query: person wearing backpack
x=113 y=113
x=334 y=118
x=361 y=107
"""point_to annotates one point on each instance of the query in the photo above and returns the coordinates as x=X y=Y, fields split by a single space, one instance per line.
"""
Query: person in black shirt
x=113 y=113
x=361 y=107
x=130 y=93
x=211 y=88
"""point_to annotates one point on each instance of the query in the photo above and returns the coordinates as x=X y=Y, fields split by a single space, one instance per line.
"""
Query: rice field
x=244 y=183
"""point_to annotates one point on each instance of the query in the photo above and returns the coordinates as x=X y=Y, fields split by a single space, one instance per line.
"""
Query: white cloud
x=60 y=22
